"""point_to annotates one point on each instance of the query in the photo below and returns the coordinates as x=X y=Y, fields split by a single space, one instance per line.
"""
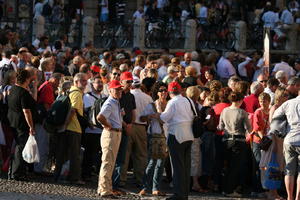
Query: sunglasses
x=116 y=74
x=162 y=90
x=129 y=81
x=263 y=81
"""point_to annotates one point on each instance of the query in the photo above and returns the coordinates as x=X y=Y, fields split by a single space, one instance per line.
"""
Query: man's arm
x=28 y=117
x=101 y=118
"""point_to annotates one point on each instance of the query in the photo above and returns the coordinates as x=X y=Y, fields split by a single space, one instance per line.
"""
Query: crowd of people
x=97 y=114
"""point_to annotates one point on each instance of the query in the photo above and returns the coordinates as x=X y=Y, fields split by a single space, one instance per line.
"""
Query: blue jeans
x=153 y=174
x=256 y=178
x=120 y=160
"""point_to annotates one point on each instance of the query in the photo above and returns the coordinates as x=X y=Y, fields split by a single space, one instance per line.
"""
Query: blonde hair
x=215 y=86
x=139 y=60
x=193 y=92
x=279 y=93
x=264 y=96
x=190 y=71
x=45 y=63
x=175 y=60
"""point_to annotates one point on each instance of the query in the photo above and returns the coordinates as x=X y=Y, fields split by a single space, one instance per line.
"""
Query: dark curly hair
x=155 y=89
x=224 y=94
x=22 y=75
x=236 y=96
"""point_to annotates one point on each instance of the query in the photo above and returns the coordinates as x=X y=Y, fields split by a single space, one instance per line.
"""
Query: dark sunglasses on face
x=116 y=74
x=129 y=81
x=162 y=90
x=263 y=81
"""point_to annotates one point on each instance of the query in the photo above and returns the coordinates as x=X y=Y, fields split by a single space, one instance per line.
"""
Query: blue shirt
x=111 y=110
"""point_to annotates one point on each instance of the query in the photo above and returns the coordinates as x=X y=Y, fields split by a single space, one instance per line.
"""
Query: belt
x=139 y=124
x=240 y=138
x=228 y=136
x=116 y=129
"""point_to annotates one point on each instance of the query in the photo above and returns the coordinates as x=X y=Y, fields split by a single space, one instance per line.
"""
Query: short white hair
x=280 y=75
x=123 y=67
x=79 y=76
x=255 y=86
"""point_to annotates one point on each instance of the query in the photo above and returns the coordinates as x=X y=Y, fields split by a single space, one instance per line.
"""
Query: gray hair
x=294 y=81
x=123 y=67
x=280 y=75
x=60 y=56
x=255 y=86
x=79 y=76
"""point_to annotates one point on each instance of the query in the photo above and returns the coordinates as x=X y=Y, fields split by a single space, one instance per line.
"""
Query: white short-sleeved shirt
x=287 y=17
x=225 y=69
x=138 y=15
x=242 y=67
x=141 y=101
x=283 y=66
x=270 y=18
x=257 y=72
x=195 y=64
x=162 y=72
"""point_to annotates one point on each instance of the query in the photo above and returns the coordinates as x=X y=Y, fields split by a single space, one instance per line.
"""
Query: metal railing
x=112 y=35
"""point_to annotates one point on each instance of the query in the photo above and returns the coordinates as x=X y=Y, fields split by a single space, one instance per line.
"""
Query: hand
x=31 y=131
x=108 y=127
x=128 y=129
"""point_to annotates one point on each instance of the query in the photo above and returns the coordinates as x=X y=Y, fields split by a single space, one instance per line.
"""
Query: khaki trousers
x=110 y=141
x=137 y=146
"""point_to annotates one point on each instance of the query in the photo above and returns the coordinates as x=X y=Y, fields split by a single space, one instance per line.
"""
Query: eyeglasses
x=129 y=81
x=116 y=74
x=263 y=81
x=162 y=90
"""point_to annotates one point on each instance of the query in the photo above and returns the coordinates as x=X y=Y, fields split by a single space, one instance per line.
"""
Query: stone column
x=38 y=27
x=291 y=39
x=139 y=33
x=87 y=30
x=240 y=35
x=190 y=35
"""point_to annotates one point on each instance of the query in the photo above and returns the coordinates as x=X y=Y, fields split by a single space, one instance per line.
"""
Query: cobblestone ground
x=45 y=189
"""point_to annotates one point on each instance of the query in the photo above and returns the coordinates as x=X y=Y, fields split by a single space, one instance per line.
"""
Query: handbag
x=265 y=143
x=197 y=126
x=157 y=144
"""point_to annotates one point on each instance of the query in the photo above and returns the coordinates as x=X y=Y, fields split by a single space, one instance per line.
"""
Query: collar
x=76 y=88
x=113 y=99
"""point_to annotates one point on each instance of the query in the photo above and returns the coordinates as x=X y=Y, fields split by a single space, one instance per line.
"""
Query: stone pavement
x=46 y=189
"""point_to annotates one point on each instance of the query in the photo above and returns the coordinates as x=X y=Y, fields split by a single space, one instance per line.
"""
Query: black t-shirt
x=127 y=102
x=190 y=80
x=19 y=99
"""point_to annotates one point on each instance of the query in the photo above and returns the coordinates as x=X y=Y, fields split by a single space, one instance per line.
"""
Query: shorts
x=292 y=159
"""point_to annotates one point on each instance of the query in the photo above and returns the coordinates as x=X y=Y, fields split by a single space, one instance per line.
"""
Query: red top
x=251 y=103
x=260 y=123
x=218 y=108
x=46 y=94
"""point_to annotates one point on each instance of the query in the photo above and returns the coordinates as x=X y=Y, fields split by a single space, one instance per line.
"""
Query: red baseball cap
x=126 y=76
x=95 y=68
x=138 y=52
x=178 y=54
x=174 y=87
x=114 y=84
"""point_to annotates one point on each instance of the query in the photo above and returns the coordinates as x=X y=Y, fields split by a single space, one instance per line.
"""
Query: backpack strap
x=192 y=107
x=90 y=93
